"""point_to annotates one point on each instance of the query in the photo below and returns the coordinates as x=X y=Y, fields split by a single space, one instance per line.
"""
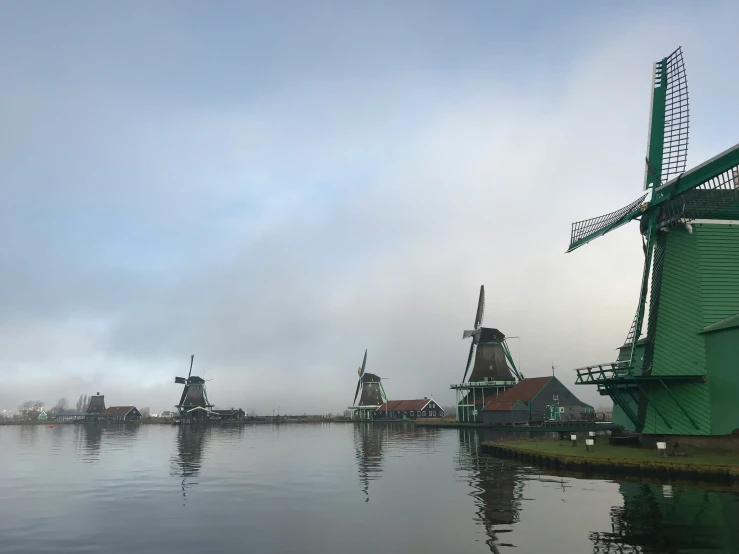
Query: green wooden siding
x=619 y=417
x=723 y=368
x=700 y=286
x=679 y=346
x=694 y=397
x=718 y=253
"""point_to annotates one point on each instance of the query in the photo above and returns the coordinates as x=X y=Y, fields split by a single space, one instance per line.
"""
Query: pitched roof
x=525 y=390
x=502 y=405
x=117 y=411
x=405 y=405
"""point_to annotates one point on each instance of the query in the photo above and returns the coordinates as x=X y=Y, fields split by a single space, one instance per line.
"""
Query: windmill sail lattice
x=677 y=116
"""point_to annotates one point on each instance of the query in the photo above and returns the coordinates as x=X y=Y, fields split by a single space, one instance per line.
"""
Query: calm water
x=328 y=489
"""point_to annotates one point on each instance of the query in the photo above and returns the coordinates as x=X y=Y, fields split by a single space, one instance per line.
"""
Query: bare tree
x=61 y=406
x=146 y=411
x=78 y=406
x=30 y=409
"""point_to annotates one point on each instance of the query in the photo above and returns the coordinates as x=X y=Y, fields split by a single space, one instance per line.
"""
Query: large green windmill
x=678 y=372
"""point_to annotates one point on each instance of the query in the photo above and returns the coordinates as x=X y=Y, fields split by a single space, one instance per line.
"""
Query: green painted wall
x=679 y=346
x=723 y=368
x=718 y=254
x=620 y=417
x=694 y=397
x=700 y=286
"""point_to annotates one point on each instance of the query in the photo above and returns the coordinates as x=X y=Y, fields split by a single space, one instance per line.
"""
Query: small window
x=555 y=397
x=411 y=412
x=424 y=414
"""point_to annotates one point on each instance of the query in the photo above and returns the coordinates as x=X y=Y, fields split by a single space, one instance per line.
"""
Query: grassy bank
x=693 y=465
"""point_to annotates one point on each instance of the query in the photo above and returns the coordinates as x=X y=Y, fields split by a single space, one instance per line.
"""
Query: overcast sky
x=275 y=187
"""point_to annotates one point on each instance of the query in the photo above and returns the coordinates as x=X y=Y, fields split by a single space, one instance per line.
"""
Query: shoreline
x=609 y=460
x=560 y=428
x=152 y=421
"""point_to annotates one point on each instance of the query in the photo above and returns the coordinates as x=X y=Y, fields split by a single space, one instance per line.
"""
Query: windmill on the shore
x=493 y=370
x=372 y=393
x=672 y=378
x=194 y=403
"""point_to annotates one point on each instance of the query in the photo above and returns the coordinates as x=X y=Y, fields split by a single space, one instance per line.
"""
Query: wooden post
x=589 y=444
x=573 y=440
x=662 y=449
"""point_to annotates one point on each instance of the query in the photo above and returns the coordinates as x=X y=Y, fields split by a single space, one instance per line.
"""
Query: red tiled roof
x=500 y=405
x=525 y=390
x=406 y=405
x=117 y=411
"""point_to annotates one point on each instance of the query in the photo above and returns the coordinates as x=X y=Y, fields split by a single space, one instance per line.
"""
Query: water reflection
x=497 y=489
x=368 y=442
x=190 y=444
x=666 y=518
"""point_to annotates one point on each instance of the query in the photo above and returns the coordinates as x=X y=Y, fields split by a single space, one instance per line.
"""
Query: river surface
x=325 y=489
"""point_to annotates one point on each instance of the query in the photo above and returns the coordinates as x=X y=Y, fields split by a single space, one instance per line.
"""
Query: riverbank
x=692 y=465
x=555 y=427
x=168 y=421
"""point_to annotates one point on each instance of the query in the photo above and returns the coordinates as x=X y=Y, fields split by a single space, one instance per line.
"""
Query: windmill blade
x=180 y=380
x=469 y=360
x=667 y=143
x=480 y=307
x=359 y=386
x=192 y=359
x=364 y=363
x=588 y=229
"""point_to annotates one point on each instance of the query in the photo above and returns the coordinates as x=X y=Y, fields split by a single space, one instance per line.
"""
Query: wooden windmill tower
x=372 y=393
x=677 y=371
x=194 y=405
x=491 y=372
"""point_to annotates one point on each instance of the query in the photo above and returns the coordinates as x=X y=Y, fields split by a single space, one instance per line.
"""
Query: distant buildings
x=120 y=414
x=409 y=409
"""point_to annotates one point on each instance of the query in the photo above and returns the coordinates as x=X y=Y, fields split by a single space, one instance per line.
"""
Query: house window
x=424 y=414
x=555 y=397
x=411 y=413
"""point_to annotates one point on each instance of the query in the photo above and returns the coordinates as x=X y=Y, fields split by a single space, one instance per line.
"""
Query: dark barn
x=232 y=414
x=545 y=399
x=409 y=409
x=121 y=413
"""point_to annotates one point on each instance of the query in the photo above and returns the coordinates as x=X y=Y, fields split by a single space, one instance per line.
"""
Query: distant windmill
x=194 y=403
x=493 y=369
x=489 y=350
x=372 y=393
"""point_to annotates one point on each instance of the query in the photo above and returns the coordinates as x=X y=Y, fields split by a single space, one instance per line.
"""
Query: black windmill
x=372 y=393
x=194 y=403
x=492 y=372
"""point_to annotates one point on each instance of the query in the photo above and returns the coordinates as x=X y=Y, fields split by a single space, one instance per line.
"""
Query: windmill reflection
x=368 y=442
x=497 y=489
x=190 y=442
x=663 y=518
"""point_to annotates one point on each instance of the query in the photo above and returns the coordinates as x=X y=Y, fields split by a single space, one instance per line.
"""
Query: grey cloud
x=277 y=239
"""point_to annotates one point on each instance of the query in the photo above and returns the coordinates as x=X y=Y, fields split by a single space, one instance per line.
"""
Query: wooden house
x=120 y=414
x=409 y=409
x=536 y=399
